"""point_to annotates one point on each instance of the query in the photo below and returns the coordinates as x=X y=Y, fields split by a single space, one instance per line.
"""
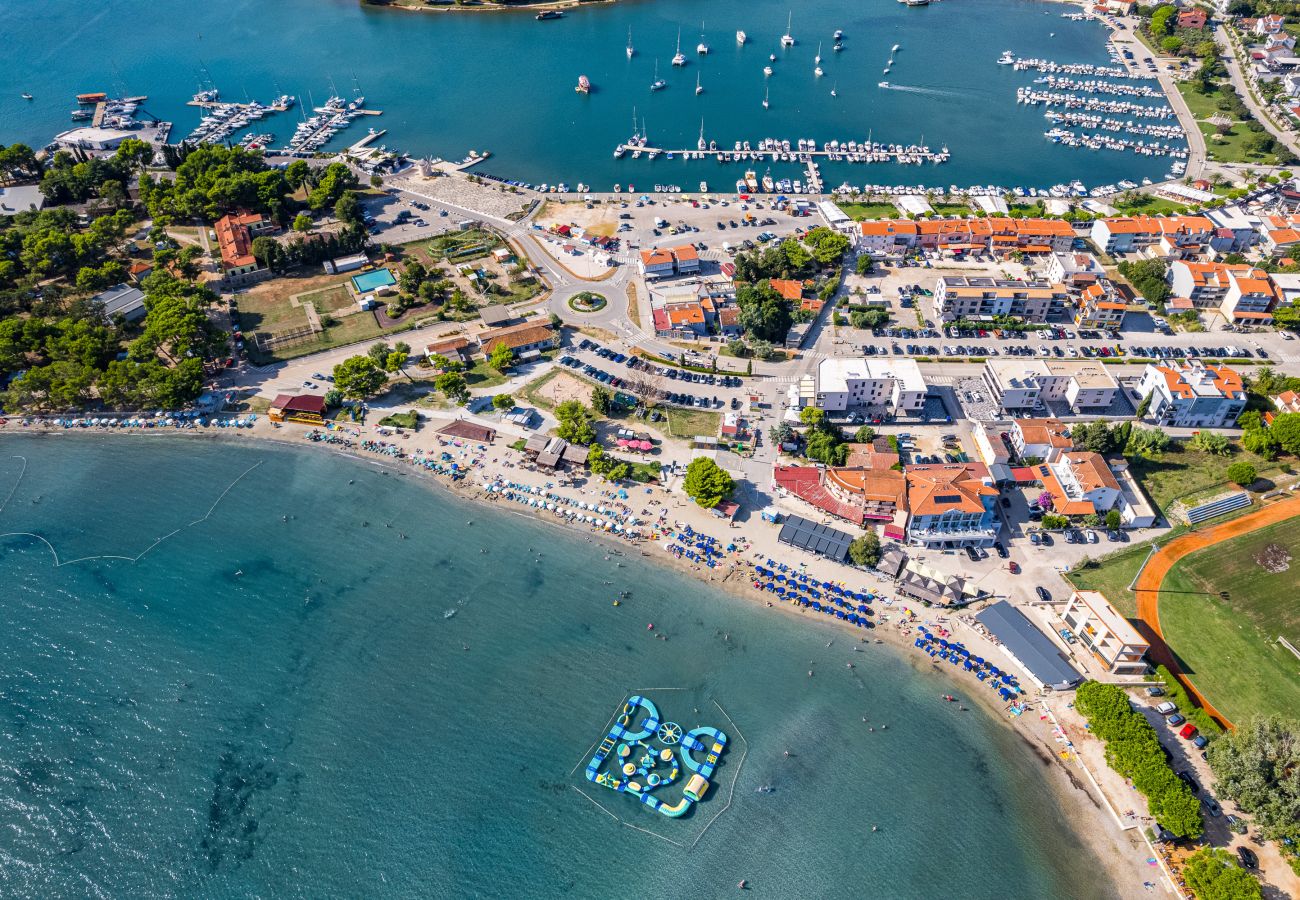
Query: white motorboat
x=741 y=37
x=767 y=70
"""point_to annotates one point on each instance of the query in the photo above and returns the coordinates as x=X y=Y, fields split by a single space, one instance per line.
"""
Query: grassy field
x=862 y=211
x=1186 y=472
x=1231 y=147
x=1229 y=646
x=1202 y=105
x=687 y=423
x=330 y=300
x=1112 y=576
x=1150 y=205
x=951 y=209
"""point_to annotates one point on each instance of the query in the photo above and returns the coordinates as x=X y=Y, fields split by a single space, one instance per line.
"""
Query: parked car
x=1248 y=858
x=1043 y=594
x=1175 y=720
x=1188 y=732
x=1155 y=691
x=1190 y=782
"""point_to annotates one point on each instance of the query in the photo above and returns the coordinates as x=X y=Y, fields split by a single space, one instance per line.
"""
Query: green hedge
x=1186 y=705
x=1133 y=750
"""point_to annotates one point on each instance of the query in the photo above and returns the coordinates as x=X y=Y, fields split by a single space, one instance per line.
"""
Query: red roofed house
x=656 y=263
x=855 y=495
x=1044 y=439
x=1192 y=395
x=1267 y=25
x=1251 y=298
x=1098 y=307
x=235 y=233
x=1287 y=402
x=305 y=408
x=951 y=506
x=1081 y=484
x=790 y=290
x=1192 y=18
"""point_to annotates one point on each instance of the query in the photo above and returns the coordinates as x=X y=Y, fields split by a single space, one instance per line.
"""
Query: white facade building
x=891 y=385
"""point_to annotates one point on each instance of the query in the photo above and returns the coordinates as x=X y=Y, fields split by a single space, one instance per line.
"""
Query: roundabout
x=587 y=302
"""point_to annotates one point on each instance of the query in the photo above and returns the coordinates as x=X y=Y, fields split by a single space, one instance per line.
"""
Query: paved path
x=1153 y=575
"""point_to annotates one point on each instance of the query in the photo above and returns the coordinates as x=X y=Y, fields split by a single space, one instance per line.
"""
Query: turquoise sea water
x=315 y=726
x=504 y=82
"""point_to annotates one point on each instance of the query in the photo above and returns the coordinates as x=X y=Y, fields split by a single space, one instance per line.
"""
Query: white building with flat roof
x=1111 y=638
x=890 y=385
x=1023 y=385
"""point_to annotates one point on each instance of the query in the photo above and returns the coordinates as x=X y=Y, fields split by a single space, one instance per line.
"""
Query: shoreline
x=526 y=6
x=1119 y=850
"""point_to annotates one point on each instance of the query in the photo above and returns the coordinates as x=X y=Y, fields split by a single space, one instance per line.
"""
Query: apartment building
x=1097 y=307
x=893 y=386
x=951 y=506
x=1023 y=385
x=1106 y=634
x=1167 y=236
x=1203 y=283
x=960 y=297
x=1250 y=298
x=1192 y=395
x=1043 y=439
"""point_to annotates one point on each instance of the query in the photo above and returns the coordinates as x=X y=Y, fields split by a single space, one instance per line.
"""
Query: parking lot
x=394 y=219
x=648 y=380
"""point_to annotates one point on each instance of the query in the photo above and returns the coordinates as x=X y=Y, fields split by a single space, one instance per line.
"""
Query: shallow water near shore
x=503 y=82
x=273 y=701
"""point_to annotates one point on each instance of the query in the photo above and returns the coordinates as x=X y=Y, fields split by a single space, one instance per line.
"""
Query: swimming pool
x=373 y=281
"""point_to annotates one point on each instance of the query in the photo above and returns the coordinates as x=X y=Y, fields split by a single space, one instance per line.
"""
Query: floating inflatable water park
x=662 y=766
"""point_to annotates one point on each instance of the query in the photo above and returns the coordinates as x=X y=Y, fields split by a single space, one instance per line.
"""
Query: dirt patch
x=1274 y=558
x=564 y=387
x=602 y=220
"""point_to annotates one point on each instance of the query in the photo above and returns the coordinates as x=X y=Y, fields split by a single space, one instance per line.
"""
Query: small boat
x=818 y=72
x=786 y=39
x=771 y=57
x=658 y=84
x=584 y=86
x=27 y=96
x=680 y=58
x=766 y=104
x=817 y=60
x=741 y=37
x=894 y=49
x=631 y=51
x=548 y=14
x=699 y=88
x=1007 y=58
x=838 y=47
x=839 y=33
x=886 y=72
x=767 y=70
x=81 y=114
x=883 y=84
x=835 y=90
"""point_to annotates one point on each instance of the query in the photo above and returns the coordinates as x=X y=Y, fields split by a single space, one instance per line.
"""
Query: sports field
x=1221 y=611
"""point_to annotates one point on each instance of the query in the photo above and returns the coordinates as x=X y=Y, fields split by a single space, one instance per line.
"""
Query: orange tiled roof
x=933 y=490
x=234 y=240
x=790 y=290
x=1051 y=432
x=656 y=257
x=1091 y=471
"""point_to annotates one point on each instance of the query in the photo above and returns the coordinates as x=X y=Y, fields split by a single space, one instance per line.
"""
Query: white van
x=1167 y=707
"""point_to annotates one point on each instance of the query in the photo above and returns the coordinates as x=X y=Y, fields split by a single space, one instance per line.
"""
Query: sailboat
x=818 y=72
x=680 y=58
x=817 y=60
x=658 y=84
x=702 y=48
x=786 y=39
x=701 y=145
x=699 y=88
x=766 y=104
x=835 y=91
x=631 y=51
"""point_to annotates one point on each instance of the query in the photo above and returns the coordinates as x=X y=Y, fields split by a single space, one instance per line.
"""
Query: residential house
x=1105 y=633
x=886 y=238
x=1192 y=17
x=122 y=300
x=1166 y=236
x=235 y=233
x=1270 y=24
x=456 y=349
x=729 y=321
x=1075 y=269
x=960 y=297
x=524 y=339
x=1097 y=306
x=1250 y=298
x=1192 y=395
x=1235 y=229
x=18 y=198
x=686 y=318
x=1203 y=283
x=789 y=290
x=657 y=263
x=1280 y=234
x=891 y=386
x=1287 y=402
x=1081 y=484
x=951 y=506
x=859 y=496
x=1041 y=439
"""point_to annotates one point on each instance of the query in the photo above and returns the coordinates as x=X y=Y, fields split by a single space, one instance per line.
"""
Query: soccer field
x=1222 y=610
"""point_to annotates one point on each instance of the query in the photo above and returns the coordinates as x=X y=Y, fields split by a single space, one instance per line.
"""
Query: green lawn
x=951 y=209
x=1183 y=473
x=1229 y=646
x=1230 y=148
x=687 y=423
x=463 y=246
x=1202 y=105
x=268 y=314
x=1112 y=576
x=481 y=375
x=860 y=211
x=1150 y=205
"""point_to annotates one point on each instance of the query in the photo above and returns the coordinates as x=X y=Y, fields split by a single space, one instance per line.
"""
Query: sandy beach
x=659 y=513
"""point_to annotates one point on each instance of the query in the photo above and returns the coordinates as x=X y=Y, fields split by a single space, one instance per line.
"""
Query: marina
x=803 y=150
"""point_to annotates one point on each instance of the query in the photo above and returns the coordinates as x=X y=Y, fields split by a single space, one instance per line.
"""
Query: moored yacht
x=741 y=37
x=787 y=40
x=680 y=58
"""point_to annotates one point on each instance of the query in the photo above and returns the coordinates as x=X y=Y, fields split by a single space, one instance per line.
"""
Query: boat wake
x=922 y=90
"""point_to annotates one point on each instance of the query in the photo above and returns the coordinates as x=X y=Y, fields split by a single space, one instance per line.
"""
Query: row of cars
x=1204 y=352
x=676 y=398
